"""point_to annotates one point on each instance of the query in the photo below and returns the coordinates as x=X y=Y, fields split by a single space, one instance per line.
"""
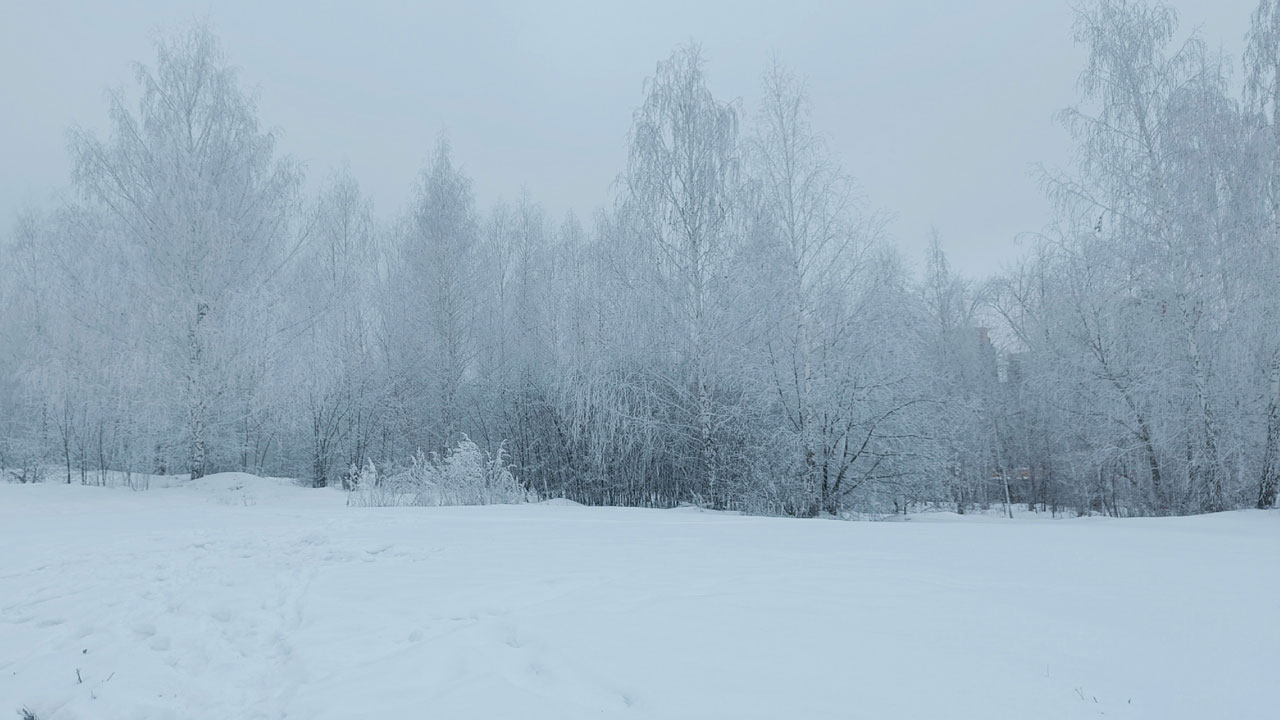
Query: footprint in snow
x=511 y=638
x=314 y=539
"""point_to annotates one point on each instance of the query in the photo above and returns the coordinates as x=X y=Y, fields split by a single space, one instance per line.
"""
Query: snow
x=243 y=597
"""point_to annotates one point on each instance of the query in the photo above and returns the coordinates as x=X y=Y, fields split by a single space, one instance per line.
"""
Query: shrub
x=464 y=475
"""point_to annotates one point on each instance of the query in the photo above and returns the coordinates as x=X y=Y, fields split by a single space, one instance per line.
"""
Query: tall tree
x=199 y=215
x=681 y=186
x=817 y=243
x=1262 y=96
x=431 y=312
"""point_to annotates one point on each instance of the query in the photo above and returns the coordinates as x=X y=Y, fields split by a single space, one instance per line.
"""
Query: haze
x=941 y=110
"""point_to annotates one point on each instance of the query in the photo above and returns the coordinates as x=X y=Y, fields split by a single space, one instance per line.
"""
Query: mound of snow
x=238 y=488
x=560 y=502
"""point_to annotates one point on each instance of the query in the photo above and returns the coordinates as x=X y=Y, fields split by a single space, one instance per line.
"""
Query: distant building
x=986 y=353
x=1015 y=368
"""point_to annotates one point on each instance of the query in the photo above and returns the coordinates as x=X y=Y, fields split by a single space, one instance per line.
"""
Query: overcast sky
x=940 y=109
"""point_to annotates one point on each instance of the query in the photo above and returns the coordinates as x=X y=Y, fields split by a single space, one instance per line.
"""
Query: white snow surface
x=237 y=597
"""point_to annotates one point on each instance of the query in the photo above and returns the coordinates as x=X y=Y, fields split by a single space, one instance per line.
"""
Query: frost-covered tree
x=1149 y=219
x=681 y=190
x=341 y=376
x=823 y=339
x=196 y=217
x=431 y=306
x=1262 y=266
x=735 y=330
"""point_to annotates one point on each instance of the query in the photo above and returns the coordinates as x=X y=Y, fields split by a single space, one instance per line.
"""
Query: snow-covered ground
x=236 y=597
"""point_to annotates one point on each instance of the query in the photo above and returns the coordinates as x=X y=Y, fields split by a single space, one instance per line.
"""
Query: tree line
x=735 y=330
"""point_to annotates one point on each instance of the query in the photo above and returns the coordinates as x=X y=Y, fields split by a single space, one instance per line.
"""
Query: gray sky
x=940 y=109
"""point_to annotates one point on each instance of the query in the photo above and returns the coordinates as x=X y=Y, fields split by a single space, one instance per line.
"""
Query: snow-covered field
x=237 y=597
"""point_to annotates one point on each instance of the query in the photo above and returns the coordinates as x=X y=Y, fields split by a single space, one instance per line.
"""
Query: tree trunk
x=319 y=453
x=1207 y=463
x=1271 y=455
x=196 y=448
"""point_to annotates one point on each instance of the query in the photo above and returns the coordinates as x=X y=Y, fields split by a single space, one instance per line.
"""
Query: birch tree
x=200 y=212
x=682 y=184
x=342 y=370
x=817 y=243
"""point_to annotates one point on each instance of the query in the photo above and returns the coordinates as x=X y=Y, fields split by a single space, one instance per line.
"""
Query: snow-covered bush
x=23 y=473
x=464 y=475
x=469 y=476
x=19 y=461
x=369 y=490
